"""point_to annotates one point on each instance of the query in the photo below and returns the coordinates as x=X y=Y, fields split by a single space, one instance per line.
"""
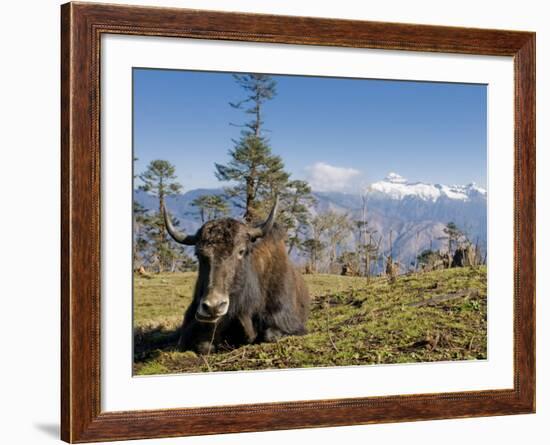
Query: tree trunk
x=258 y=105
x=249 y=210
x=291 y=245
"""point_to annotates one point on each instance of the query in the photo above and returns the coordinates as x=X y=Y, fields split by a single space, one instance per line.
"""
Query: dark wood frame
x=81 y=28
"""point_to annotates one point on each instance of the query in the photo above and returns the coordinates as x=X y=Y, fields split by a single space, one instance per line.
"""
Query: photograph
x=286 y=221
x=275 y=222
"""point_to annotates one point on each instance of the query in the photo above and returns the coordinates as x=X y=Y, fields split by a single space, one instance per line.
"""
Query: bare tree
x=416 y=251
x=335 y=227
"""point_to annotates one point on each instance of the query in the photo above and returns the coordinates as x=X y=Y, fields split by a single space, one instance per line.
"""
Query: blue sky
x=340 y=134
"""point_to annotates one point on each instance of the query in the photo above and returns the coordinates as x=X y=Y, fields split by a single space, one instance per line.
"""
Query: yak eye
x=241 y=252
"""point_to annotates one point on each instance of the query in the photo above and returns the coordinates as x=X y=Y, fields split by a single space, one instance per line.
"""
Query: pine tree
x=258 y=174
x=211 y=207
x=159 y=179
x=259 y=88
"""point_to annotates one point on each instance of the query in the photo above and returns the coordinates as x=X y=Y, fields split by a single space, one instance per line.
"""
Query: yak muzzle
x=211 y=308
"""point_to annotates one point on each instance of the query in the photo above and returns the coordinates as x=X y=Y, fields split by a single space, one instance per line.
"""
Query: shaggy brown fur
x=267 y=296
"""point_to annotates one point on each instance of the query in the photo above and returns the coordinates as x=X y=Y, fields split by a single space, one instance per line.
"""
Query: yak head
x=221 y=246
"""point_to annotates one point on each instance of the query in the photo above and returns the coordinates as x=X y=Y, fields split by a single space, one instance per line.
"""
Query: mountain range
x=415 y=213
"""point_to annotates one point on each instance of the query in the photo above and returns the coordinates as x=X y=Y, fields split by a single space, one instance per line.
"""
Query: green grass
x=352 y=322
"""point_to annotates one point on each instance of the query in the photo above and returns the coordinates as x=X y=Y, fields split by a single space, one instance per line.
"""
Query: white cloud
x=325 y=177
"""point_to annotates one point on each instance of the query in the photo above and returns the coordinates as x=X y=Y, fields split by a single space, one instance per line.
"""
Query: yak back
x=282 y=286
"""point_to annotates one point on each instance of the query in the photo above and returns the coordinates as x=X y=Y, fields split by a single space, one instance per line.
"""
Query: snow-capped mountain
x=395 y=186
x=415 y=213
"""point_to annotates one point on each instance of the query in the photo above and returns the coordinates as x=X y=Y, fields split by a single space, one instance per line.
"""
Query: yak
x=247 y=290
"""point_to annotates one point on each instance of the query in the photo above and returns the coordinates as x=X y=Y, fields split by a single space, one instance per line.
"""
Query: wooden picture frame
x=82 y=25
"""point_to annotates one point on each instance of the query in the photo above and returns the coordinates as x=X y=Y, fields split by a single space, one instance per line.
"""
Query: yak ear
x=182 y=238
x=264 y=228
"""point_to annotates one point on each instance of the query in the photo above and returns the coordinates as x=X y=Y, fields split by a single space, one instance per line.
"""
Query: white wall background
x=29 y=201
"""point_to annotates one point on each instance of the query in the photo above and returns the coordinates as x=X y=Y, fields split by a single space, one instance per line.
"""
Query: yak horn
x=264 y=228
x=182 y=238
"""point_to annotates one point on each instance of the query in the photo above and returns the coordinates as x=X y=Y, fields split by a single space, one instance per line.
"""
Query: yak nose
x=215 y=308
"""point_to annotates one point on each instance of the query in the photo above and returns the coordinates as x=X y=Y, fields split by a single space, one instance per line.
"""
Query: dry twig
x=328 y=329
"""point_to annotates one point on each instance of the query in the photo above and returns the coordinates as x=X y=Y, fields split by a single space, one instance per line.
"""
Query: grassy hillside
x=432 y=316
